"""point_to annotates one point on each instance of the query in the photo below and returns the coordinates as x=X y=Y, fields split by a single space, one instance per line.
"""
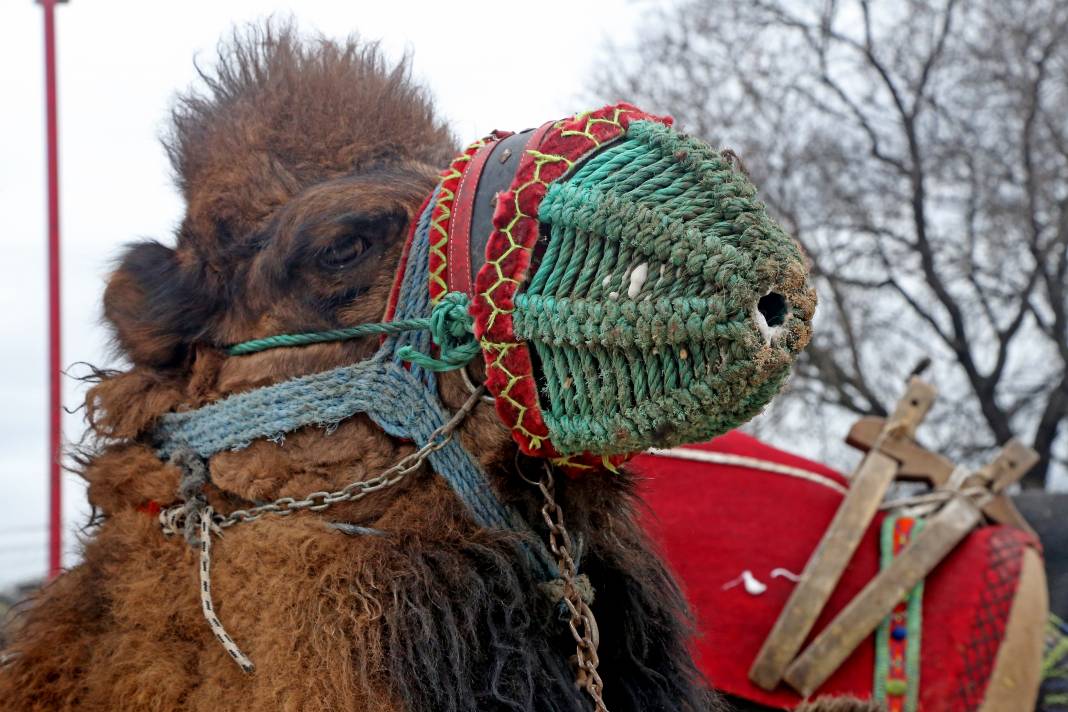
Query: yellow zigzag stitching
x=499 y=350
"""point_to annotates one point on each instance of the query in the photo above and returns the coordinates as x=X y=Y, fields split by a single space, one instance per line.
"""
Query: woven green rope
x=450 y=326
x=452 y=329
x=319 y=337
x=641 y=309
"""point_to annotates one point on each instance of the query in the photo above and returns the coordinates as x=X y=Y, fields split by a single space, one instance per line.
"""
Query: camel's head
x=633 y=291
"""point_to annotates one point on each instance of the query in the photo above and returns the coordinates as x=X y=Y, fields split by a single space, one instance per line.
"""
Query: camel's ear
x=155 y=305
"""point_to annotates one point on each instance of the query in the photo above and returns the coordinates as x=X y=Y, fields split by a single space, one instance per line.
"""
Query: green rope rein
x=450 y=325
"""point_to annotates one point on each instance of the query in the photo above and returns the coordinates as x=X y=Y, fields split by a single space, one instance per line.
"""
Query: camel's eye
x=344 y=253
x=356 y=236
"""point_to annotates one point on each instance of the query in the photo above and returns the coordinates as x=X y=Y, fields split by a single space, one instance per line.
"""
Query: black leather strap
x=497 y=176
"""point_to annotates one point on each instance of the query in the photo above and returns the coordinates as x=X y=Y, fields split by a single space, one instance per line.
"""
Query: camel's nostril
x=773 y=307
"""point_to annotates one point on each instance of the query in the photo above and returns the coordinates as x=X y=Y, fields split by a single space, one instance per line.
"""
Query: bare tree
x=918 y=149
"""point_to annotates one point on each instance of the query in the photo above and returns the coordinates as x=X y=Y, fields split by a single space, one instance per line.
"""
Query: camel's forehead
x=277 y=115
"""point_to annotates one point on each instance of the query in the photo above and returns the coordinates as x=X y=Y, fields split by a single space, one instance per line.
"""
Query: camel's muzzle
x=627 y=288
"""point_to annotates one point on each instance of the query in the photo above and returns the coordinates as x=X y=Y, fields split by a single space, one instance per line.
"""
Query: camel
x=302 y=164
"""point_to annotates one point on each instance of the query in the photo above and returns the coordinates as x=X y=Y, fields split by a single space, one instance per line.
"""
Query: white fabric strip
x=721 y=458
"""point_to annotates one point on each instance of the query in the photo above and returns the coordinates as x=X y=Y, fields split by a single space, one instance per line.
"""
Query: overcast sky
x=120 y=63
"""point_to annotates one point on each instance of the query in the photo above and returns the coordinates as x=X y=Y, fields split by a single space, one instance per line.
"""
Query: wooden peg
x=911 y=409
x=823 y=570
x=1013 y=462
x=939 y=536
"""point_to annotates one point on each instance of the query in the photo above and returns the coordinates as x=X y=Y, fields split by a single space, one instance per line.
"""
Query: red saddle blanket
x=716 y=520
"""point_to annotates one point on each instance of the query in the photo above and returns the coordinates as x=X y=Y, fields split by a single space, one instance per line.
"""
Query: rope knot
x=558 y=589
x=451 y=318
x=452 y=329
x=186 y=516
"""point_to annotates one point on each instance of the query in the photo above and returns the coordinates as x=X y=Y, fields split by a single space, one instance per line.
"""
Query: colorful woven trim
x=441 y=217
x=509 y=367
x=980 y=644
x=898 y=638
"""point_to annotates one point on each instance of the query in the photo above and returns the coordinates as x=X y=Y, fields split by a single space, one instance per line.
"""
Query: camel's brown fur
x=301 y=165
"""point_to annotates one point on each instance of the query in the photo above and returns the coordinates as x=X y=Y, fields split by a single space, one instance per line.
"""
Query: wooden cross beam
x=915 y=463
x=825 y=567
x=939 y=536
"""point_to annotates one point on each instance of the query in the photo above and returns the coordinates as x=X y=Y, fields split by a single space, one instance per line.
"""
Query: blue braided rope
x=414 y=299
x=322 y=399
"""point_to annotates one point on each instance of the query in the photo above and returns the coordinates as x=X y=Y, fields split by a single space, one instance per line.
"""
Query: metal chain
x=172 y=520
x=582 y=624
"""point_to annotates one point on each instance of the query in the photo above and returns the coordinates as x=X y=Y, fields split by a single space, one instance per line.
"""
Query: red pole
x=55 y=443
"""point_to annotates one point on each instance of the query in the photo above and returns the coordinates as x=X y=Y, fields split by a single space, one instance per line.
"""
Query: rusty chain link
x=582 y=624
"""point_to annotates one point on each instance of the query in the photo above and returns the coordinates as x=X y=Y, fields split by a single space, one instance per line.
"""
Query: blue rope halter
x=402 y=400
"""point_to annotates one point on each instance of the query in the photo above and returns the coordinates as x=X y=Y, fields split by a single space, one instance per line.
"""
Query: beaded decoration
x=897 y=640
